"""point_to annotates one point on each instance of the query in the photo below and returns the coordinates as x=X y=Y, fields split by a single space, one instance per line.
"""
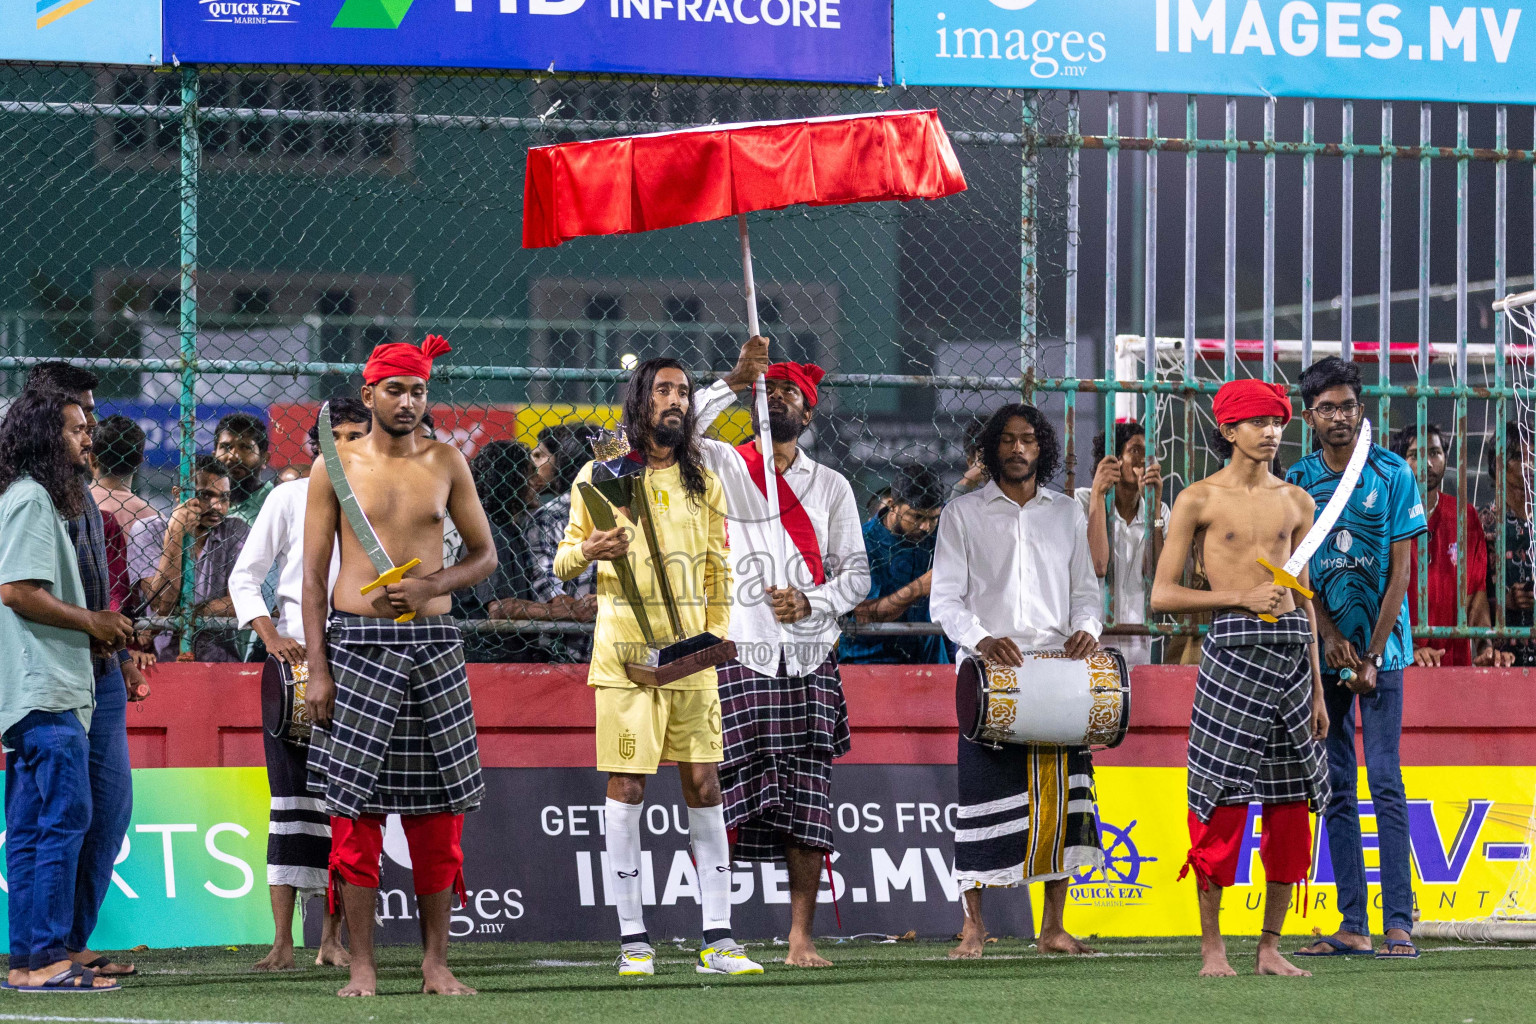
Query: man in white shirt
x=299 y=832
x=781 y=699
x=1122 y=558
x=1012 y=570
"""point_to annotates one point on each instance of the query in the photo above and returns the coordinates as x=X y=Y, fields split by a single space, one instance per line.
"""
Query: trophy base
x=717 y=653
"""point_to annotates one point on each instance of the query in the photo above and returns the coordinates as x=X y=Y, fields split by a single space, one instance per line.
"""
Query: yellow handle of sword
x=395 y=575
x=1284 y=579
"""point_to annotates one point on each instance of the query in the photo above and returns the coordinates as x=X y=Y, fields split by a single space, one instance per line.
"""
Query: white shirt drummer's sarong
x=1027 y=813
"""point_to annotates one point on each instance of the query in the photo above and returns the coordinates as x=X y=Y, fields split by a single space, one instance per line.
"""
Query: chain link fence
x=223 y=242
x=274 y=225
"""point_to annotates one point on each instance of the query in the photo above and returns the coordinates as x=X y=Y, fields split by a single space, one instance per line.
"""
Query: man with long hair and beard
x=639 y=727
x=1013 y=570
x=47 y=693
x=394 y=727
x=119 y=681
x=782 y=697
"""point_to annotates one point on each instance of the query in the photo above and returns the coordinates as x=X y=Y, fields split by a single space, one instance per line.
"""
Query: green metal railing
x=1048 y=152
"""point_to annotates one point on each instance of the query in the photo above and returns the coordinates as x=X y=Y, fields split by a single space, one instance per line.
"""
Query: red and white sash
x=792 y=514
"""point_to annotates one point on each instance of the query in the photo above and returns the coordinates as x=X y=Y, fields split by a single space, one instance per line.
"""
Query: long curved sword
x=1289 y=575
x=388 y=571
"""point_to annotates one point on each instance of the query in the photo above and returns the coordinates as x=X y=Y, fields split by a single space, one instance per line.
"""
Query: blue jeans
x=1381 y=720
x=47 y=810
x=111 y=805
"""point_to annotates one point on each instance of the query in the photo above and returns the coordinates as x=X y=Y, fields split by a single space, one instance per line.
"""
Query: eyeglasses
x=1329 y=411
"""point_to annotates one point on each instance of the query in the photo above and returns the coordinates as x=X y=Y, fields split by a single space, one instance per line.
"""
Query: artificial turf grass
x=1148 y=980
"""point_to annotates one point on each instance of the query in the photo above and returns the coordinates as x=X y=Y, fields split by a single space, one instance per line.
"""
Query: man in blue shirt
x=1360 y=574
x=899 y=540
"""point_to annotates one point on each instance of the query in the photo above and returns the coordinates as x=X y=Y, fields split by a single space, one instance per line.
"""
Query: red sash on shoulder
x=791 y=513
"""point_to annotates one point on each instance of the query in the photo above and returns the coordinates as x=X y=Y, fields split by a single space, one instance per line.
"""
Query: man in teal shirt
x=48 y=692
x=240 y=442
x=899 y=541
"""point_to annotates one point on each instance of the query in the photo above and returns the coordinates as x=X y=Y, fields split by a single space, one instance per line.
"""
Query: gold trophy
x=618 y=482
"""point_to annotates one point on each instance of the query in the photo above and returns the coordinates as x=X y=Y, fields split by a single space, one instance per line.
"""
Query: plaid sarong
x=1250 y=734
x=402 y=739
x=1027 y=814
x=781 y=735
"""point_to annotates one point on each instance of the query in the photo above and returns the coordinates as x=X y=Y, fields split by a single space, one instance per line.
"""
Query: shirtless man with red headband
x=394 y=728
x=1258 y=723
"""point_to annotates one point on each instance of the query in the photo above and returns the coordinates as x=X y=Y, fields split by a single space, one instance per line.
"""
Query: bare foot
x=1213 y=964
x=1272 y=963
x=972 y=941
x=1061 y=942
x=333 y=955
x=17 y=977
x=438 y=980
x=111 y=970
x=280 y=959
x=364 y=981
x=802 y=953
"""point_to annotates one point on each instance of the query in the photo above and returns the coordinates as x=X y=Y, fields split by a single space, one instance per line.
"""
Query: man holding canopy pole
x=798 y=559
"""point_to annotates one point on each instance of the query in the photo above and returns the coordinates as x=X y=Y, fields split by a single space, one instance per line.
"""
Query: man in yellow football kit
x=639 y=727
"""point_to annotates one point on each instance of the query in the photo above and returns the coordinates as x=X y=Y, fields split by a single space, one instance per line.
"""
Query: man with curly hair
x=1013 y=570
x=47 y=637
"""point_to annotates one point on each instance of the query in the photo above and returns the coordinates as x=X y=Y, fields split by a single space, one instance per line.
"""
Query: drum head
x=275 y=675
x=969 y=707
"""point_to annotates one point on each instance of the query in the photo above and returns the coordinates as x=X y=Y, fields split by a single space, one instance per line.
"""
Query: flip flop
x=101 y=963
x=1389 y=955
x=73 y=978
x=1339 y=948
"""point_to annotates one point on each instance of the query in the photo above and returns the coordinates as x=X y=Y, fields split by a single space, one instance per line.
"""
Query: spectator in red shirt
x=1444 y=560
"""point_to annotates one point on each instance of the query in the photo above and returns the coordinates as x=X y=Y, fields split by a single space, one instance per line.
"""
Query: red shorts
x=435 y=841
x=1285 y=845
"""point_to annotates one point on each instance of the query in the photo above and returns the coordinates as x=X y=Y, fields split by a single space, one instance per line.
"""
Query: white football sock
x=623 y=842
x=711 y=855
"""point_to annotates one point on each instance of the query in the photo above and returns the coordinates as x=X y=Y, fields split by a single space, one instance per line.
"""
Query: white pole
x=746 y=273
x=764 y=435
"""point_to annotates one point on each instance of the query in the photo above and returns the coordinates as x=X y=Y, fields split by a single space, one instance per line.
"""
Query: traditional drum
x=283 y=713
x=1050 y=699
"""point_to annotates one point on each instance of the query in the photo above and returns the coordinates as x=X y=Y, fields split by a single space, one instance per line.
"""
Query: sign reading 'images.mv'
x=1408 y=49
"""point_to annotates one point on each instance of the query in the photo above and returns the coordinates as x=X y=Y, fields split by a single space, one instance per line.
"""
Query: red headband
x=1248 y=398
x=804 y=376
x=400 y=359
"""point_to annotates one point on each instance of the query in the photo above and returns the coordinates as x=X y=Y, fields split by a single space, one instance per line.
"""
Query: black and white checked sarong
x=1250 y=735
x=402 y=739
x=1027 y=814
x=781 y=735
x=298 y=829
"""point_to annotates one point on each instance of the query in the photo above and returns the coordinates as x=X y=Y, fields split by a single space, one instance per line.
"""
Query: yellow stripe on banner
x=56 y=13
x=1047 y=811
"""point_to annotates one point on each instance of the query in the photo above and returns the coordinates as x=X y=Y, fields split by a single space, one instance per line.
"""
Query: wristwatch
x=1376 y=659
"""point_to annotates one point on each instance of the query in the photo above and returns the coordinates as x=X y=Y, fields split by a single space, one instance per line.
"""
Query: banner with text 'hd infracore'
x=791 y=40
x=1409 y=49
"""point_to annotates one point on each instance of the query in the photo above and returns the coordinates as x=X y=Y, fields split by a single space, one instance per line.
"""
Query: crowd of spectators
x=527 y=493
